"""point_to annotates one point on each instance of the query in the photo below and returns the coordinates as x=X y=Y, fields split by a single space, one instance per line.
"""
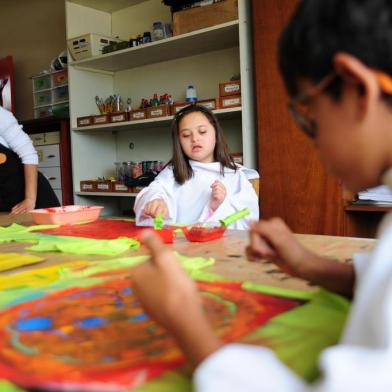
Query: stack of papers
x=378 y=195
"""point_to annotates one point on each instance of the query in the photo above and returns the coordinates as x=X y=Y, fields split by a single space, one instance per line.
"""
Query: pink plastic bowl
x=66 y=215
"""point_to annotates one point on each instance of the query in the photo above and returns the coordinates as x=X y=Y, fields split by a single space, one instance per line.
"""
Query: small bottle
x=158 y=31
x=191 y=95
x=146 y=37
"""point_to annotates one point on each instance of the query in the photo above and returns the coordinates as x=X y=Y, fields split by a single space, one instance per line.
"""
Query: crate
x=158 y=111
x=88 y=186
x=230 y=101
x=89 y=45
x=101 y=119
x=84 y=121
x=177 y=106
x=211 y=104
x=230 y=88
x=119 y=186
x=118 y=117
x=43 y=111
x=104 y=186
x=201 y=17
x=138 y=114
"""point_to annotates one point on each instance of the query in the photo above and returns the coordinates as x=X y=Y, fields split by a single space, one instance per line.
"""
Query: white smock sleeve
x=240 y=195
x=158 y=189
x=13 y=137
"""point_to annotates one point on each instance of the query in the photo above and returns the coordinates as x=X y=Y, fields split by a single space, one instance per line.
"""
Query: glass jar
x=119 y=172
x=127 y=169
x=158 y=31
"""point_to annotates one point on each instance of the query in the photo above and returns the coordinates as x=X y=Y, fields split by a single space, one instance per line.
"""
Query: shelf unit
x=203 y=58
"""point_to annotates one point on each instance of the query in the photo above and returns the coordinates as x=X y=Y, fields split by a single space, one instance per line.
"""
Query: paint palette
x=203 y=233
x=66 y=214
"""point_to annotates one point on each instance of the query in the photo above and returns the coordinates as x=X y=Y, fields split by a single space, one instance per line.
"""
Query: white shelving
x=203 y=58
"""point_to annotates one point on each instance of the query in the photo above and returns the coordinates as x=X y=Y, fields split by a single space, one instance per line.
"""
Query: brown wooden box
x=158 y=111
x=177 y=106
x=238 y=157
x=230 y=88
x=101 y=119
x=118 y=186
x=138 y=114
x=211 y=104
x=84 y=121
x=104 y=186
x=206 y=16
x=230 y=101
x=119 y=117
x=88 y=186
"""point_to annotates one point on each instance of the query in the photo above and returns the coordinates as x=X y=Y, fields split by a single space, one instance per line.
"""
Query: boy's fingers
x=158 y=251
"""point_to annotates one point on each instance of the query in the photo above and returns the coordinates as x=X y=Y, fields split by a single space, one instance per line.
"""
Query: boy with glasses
x=336 y=61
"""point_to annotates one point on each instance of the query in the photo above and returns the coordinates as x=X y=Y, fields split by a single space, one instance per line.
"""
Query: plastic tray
x=203 y=234
x=66 y=214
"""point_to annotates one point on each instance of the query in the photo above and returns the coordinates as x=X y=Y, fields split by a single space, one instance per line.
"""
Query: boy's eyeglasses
x=299 y=105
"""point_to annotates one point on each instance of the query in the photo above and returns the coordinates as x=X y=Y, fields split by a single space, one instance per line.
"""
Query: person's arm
x=28 y=204
x=273 y=240
x=171 y=298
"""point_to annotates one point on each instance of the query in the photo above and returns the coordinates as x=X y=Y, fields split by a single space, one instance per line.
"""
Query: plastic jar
x=191 y=94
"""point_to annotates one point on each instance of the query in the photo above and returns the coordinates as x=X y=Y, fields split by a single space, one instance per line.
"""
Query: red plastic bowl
x=203 y=234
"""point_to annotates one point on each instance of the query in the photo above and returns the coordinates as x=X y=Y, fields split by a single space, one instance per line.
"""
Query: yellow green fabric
x=10 y=261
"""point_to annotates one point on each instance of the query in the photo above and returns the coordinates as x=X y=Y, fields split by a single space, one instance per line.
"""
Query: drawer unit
x=53 y=174
x=49 y=156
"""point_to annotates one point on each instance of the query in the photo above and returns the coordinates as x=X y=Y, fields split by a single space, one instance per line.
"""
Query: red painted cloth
x=109 y=229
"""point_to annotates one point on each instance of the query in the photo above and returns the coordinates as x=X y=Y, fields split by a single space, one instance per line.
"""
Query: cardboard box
x=104 y=186
x=138 y=114
x=119 y=117
x=84 y=121
x=119 y=186
x=211 y=104
x=177 y=106
x=89 y=45
x=201 y=17
x=158 y=111
x=230 y=101
x=230 y=88
x=101 y=119
x=88 y=186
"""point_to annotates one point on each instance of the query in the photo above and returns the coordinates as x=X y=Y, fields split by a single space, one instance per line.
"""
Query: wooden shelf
x=222 y=36
x=107 y=194
x=154 y=122
x=369 y=208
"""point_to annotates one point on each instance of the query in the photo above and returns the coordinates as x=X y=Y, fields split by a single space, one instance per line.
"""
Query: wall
x=33 y=32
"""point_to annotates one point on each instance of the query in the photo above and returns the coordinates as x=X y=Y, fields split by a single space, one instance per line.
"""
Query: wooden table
x=229 y=253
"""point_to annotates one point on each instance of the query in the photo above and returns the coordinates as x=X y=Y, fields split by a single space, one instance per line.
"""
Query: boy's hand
x=274 y=241
x=155 y=207
x=24 y=206
x=218 y=194
x=171 y=298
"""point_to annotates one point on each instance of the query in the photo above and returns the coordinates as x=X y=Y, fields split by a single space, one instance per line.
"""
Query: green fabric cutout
x=84 y=246
x=6 y=386
x=297 y=337
x=168 y=382
x=234 y=217
x=158 y=222
x=278 y=291
x=19 y=233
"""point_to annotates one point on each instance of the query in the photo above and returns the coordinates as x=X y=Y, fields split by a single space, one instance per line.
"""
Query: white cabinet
x=203 y=58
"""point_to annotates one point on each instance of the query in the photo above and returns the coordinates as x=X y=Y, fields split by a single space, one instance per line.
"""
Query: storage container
x=66 y=215
x=42 y=98
x=41 y=82
x=118 y=117
x=89 y=45
x=43 y=111
x=230 y=88
x=158 y=111
x=60 y=94
x=88 y=186
x=84 y=121
x=230 y=101
x=138 y=114
x=211 y=104
x=60 y=78
x=205 y=16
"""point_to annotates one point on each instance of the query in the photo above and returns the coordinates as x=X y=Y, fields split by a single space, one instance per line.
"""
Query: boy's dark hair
x=319 y=29
x=180 y=162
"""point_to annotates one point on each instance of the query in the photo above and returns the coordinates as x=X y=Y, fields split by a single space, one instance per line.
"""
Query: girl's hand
x=25 y=206
x=218 y=195
x=273 y=240
x=171 y=298
x=156 y=207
